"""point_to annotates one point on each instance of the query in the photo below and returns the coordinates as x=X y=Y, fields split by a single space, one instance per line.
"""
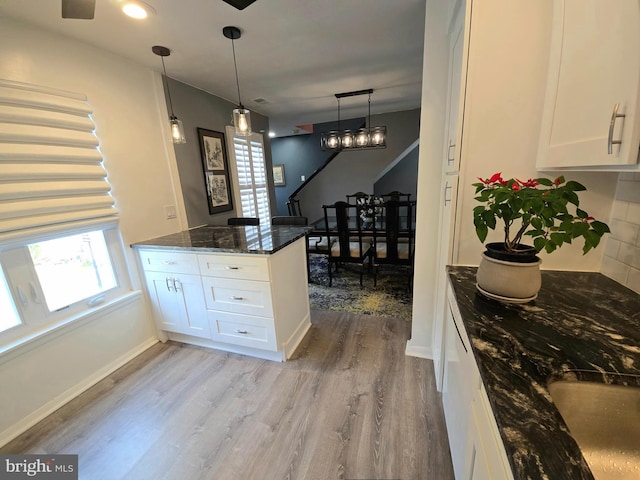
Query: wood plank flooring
x=350 y=405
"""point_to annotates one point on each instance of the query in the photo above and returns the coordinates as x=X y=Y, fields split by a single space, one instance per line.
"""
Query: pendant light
x=177 y=130
x=368 y=137
x=241 y=116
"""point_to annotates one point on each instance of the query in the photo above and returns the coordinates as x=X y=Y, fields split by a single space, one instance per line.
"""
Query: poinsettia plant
x=538 y=208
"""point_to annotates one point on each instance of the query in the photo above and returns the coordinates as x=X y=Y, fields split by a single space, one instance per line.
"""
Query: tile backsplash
x=621 y=260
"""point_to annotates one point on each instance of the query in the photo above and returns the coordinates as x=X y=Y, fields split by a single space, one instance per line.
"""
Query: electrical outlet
x=170 y=211
x=302 y=178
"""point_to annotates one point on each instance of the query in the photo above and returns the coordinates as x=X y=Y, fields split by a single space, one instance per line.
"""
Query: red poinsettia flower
x=495 y=178
x=515 y=187
x=531 y=183
x=557 y=181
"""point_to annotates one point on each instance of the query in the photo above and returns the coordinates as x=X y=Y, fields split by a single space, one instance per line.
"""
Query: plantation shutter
x=51 y=173
x=248 y=154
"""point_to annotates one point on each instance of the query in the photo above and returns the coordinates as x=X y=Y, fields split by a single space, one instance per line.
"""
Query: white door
x=594 y=67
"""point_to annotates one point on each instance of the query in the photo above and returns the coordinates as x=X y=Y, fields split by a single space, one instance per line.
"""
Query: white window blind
x=51 y=173
x=248 y=156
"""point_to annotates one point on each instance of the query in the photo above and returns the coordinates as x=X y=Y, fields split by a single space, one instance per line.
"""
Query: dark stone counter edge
x=157 y=244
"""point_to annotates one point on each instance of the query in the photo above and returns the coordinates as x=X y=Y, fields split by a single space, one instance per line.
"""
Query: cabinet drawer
x=242 y=330
x=243 y=267
x=169 y=261
x=238 y=296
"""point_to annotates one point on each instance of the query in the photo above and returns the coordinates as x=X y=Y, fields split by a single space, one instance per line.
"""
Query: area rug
x=391 y=297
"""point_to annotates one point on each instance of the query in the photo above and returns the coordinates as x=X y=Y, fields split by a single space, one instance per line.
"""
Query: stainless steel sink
x=605 y=422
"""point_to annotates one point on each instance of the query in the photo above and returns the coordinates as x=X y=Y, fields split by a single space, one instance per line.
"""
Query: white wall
x=622 y=250
x=506 y=81
x=129 y=109
x=503 y=111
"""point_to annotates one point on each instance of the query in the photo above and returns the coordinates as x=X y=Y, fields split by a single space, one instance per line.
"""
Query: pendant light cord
x=235 y=67
x=167 y=84
x=369 y=120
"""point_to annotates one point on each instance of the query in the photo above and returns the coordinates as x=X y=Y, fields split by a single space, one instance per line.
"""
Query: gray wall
x=355 y=171
x=301 y=155
x=199 y=109
x=402 y=177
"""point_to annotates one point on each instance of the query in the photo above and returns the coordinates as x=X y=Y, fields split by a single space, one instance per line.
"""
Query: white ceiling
x=295 y=54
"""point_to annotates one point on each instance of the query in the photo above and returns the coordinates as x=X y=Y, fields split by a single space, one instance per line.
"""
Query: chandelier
x=368 y=137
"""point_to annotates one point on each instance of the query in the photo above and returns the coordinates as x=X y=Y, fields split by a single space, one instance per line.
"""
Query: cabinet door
x=460 y=381
x=178 y=303
x=456 y=92
x=477 y=464
x=449 y=192
x=594 y=66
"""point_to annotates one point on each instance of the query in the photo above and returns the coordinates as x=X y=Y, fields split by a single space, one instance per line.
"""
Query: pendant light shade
x=241 y=116
x=177 y=130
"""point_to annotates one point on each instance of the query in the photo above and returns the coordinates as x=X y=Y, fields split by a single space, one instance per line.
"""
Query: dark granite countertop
x=263 y=239
x=582 y=326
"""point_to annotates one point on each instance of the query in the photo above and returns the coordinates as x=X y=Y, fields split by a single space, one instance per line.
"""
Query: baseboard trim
x=48 y=408
x=419 y=351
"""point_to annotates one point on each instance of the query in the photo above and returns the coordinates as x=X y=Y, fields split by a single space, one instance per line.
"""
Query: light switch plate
x=170 y=211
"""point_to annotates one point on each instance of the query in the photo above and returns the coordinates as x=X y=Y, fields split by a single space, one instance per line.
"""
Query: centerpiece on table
x=539 y=209
x=369 y=207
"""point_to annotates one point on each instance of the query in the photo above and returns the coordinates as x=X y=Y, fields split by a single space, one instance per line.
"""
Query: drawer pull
x=229 y=267
x=167 y=262
x=233 y=297
x=243 y=332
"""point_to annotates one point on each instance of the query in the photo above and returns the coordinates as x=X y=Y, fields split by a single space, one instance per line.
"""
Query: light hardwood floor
x=350 y=405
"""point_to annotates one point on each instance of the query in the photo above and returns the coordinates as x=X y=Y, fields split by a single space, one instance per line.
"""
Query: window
x=55 y=279
x=61 y=252
x=8 y=315
x=72 y=268
x=248 y=155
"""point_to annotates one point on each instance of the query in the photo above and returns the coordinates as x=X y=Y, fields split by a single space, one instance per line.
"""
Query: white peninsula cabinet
x=592 y=103
x=477 y=450
x=239 y=289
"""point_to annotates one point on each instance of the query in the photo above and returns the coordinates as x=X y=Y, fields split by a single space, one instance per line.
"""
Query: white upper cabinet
x=591 y=108
x=455 y=100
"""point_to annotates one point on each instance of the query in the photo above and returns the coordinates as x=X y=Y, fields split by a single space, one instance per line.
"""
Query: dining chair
x=353 y=198
x=293 y=206
x=394 y=243
x=295 y=220
x=251 y=221
x=347 y=245
x=396 y=195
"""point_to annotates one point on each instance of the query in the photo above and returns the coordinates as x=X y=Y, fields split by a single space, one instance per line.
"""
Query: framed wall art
x=216 y=170
x=278 y=175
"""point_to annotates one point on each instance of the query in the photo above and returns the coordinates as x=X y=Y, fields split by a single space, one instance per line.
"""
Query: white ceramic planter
x=509 y=281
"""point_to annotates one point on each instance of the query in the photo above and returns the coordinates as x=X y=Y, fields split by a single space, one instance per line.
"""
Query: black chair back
x=351 y=245
x=251 y=221
x=396 y=195
x=293 y=206
x=395 y=245
x=290 y=220
x=353 y=198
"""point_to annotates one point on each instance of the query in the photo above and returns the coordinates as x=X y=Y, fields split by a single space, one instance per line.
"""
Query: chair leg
x=330 y=276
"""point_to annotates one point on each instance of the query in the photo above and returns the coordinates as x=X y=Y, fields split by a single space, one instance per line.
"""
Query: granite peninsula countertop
x=582 y=326
x=263 y=239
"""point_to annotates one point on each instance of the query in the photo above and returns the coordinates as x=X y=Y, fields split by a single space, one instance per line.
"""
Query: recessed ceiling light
x=137 y=9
